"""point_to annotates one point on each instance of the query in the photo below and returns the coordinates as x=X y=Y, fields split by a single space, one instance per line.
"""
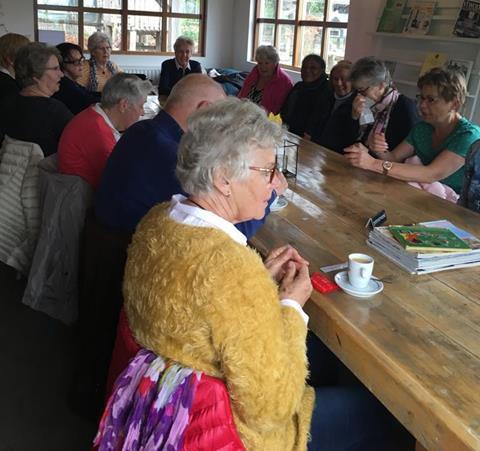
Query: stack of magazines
x=432 y=258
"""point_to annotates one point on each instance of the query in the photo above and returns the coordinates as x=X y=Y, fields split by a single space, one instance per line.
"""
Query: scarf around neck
x=92 y=77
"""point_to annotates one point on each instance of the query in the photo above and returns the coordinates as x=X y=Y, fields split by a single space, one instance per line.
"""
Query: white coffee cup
x=360 y=268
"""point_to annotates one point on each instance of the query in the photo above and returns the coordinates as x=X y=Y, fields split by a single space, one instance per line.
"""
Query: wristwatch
x=386 y=166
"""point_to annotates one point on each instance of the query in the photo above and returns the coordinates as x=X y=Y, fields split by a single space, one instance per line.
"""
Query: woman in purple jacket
x=267 y=84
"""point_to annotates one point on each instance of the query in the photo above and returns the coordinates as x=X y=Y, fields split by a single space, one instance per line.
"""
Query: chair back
x=19 y=202
x=52 y=285
x=470 y=196
x=210 y=423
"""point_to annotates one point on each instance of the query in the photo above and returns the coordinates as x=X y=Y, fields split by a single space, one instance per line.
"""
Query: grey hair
x=97 y=39
x=183 y=40
x=31 y=62
x=370 y=70
x=124 y=86
x=268 y=52
x=222 y=136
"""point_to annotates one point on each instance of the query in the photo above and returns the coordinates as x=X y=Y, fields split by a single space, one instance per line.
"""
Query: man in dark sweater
x=140 y=172
x=176 y=68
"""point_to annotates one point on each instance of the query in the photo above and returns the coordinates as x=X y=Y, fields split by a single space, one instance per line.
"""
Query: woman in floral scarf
x=99 y=68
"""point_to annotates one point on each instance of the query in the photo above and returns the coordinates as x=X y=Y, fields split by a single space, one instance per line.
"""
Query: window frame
x=297 y=23
x=124 y=12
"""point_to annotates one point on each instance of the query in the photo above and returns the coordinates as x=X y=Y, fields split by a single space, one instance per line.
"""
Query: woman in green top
x=440 y=141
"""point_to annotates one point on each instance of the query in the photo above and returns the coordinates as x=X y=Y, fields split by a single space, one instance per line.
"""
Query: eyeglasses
x=75 y=62
x=363 y=90
x=55 y=68
x=104 y=49
x=270 y=171
x=429 y=99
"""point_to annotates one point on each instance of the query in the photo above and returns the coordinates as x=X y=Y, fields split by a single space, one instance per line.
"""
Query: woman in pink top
x=89 y=138
x=267 y=84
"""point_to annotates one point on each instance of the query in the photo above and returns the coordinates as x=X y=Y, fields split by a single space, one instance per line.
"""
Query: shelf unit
x=408 y=51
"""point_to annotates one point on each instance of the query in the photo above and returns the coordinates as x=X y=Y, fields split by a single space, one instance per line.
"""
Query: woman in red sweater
x=90 y=137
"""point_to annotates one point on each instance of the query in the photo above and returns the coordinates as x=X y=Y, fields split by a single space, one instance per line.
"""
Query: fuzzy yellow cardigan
x=193 y=295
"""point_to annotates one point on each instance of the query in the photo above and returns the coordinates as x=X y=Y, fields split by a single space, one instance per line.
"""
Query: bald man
x=141 y=169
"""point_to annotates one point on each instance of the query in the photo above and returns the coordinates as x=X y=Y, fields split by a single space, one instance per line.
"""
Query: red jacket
x=211 y=425
x=275 y=91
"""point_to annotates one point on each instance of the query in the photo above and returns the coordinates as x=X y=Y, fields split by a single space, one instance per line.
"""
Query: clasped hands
x=290 y=270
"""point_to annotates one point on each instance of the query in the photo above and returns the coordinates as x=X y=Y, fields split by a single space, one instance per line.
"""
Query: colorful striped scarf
x=149 y=407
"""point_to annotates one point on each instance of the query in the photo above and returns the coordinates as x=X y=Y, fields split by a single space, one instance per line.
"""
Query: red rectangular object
x=322 y=283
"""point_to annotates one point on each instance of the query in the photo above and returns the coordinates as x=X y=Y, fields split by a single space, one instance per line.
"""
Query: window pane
x=144 y=33
x=111 y=4
x=108 y=23
x=310 y=42
x=335 y=41
x=182 y=27
x=185 y=6
x=265 y=33
x=61 y=21
x=267 y=9
x=338 y=10
x=313 y=10
x=287 y=9
x=58 y=2
x=145 y=5
x=285 y=36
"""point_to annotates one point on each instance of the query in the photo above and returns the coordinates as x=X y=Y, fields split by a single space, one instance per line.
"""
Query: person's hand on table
x=377 y=142
x=358 y=105
x=296 y=284
x=357 y=155
x=280 y=183
x=278 y=259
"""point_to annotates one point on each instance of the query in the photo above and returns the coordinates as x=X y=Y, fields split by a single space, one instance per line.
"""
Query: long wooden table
x=416 y=345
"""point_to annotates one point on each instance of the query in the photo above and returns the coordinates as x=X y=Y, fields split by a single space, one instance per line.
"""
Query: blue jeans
x=346 y=416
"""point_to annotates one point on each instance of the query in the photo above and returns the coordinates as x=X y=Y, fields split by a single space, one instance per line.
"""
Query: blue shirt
x=140 y=173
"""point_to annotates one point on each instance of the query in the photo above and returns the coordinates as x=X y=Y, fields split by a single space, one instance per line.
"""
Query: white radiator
x=152 y=73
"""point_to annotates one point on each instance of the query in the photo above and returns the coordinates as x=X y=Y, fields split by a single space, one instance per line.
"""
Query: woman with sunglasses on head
x=71 y=93
x=440 y=141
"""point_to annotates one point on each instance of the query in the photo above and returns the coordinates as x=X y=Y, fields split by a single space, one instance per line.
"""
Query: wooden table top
x=416 y=345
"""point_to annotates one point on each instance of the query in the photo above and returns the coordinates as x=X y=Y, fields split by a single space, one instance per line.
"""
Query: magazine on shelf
x=463 y=66
x=391 y=19
x=468 y=21
x=432 y=60
x=420 y=18
x=382 y=240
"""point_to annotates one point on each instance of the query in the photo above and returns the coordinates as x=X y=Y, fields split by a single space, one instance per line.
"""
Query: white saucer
x=278 y=204
x=373 y=287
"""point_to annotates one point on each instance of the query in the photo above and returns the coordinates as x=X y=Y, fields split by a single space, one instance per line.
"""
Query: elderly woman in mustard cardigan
x=199 y=298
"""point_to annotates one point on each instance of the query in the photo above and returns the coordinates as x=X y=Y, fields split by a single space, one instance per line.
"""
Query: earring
x=228 y=194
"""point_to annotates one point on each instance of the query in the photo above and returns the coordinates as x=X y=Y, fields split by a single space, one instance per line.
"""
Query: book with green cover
x=391 y=19
x=428 y=239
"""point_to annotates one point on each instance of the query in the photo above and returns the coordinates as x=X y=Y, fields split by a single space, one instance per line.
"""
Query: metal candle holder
x=287 y=158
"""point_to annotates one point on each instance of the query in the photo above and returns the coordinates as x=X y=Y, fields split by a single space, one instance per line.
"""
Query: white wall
x=18 y=18
x=362 y=21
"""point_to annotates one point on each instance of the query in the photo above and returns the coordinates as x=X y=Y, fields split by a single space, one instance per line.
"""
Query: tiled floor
x=37 y=360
